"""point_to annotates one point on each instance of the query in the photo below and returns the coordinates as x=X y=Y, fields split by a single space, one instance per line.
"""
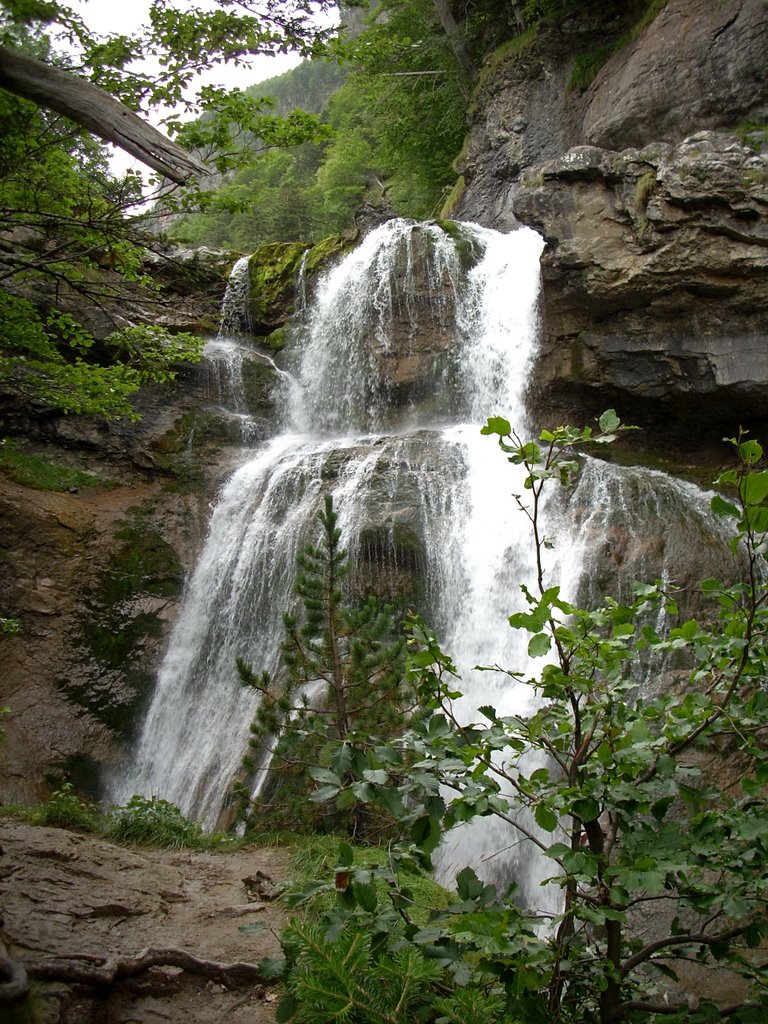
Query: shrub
x=153 y=822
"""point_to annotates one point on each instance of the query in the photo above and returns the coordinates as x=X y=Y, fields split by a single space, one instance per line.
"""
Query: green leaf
x=325 y=793
x=609 y=421
x=587 y=809
x=286 y=1009
x=750 y=452
x=545 y=818
x=721 y=507
x=497 y=425
x=539 y=645
x=754 y=488
x=252 y=929
x=272 y=967
x=468 y=885
x=365 y=894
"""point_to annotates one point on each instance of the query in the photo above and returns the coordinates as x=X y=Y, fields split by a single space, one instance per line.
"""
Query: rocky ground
x=73 y=898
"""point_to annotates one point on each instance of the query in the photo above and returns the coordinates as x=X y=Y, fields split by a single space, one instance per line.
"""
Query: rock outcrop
x=77 y=900
x=655 y=280
x=653 y=210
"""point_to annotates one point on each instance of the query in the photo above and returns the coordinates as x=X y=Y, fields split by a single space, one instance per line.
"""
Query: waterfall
x=406 y=347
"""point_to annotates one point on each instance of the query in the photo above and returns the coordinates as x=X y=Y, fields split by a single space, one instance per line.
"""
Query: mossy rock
x=323 y=251
x=273 y=271
x=468 y=248
x=111 y=679
x=391 y=563
x=194 y=429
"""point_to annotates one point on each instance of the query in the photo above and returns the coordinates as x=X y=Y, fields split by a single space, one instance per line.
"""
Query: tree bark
x=98 y=112
x=447 y=20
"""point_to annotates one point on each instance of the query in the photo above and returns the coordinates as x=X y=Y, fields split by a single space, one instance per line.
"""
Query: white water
x=452 y=487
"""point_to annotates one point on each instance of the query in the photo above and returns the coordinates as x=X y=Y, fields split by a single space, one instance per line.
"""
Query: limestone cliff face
x=655 y=214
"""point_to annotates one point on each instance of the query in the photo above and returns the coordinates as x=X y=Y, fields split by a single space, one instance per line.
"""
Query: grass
x=753 y=135
x=315 y=862
x=36 y=472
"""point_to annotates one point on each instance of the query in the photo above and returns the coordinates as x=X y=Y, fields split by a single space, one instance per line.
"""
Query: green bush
x=153 y=822
x=65 y=809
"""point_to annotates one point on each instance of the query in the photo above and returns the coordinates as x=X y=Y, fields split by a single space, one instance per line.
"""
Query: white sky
x=125 y=16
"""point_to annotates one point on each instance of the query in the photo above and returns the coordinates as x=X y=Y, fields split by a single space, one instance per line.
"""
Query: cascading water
x=384 y=412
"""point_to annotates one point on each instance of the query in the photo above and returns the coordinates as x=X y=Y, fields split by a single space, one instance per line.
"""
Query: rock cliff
x=653 y=207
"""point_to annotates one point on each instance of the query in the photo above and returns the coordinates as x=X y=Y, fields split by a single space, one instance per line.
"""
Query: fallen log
x=94 y=109
x=110 y=971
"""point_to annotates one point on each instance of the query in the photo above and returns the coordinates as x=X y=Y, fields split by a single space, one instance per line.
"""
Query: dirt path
x=62 y=893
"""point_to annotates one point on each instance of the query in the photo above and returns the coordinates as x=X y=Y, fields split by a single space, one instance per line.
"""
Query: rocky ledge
x=74 y=904
x=655 y=276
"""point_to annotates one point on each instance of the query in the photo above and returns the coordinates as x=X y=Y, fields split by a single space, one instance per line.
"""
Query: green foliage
x=659 y=859
x=36 y=472
x=73 y=245
x=141 y=821
x=342 y=682
x=393 y=130
x=153 y=822
x=346 y=981
x=65 y=809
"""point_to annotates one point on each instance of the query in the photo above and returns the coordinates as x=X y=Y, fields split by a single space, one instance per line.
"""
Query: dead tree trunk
x=98 y=112
x=456 y=39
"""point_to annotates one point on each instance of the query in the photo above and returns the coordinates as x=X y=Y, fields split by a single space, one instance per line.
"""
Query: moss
x=454 y=197
x=512 y=47
x=194 y=429
x=467 y=246
x=20 y=1013
x=323 y=251
x=111 y=682
x=144 y=563
x=753 y=135
x=36 y=472
x=644 y=189
x=272 y=273
x=275 y=340
x=587 y=65
x=177 y=450
x=273 y=270
x=754 y=177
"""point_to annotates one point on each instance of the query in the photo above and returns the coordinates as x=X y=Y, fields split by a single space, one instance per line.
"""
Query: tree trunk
x=98 y=112
x=443 y=9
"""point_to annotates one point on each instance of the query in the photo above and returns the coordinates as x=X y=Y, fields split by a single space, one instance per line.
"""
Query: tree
x=659 y=857
x=68 y=241
x=342 y=682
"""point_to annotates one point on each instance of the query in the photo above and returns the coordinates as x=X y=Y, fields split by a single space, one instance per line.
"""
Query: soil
x=68 y=896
